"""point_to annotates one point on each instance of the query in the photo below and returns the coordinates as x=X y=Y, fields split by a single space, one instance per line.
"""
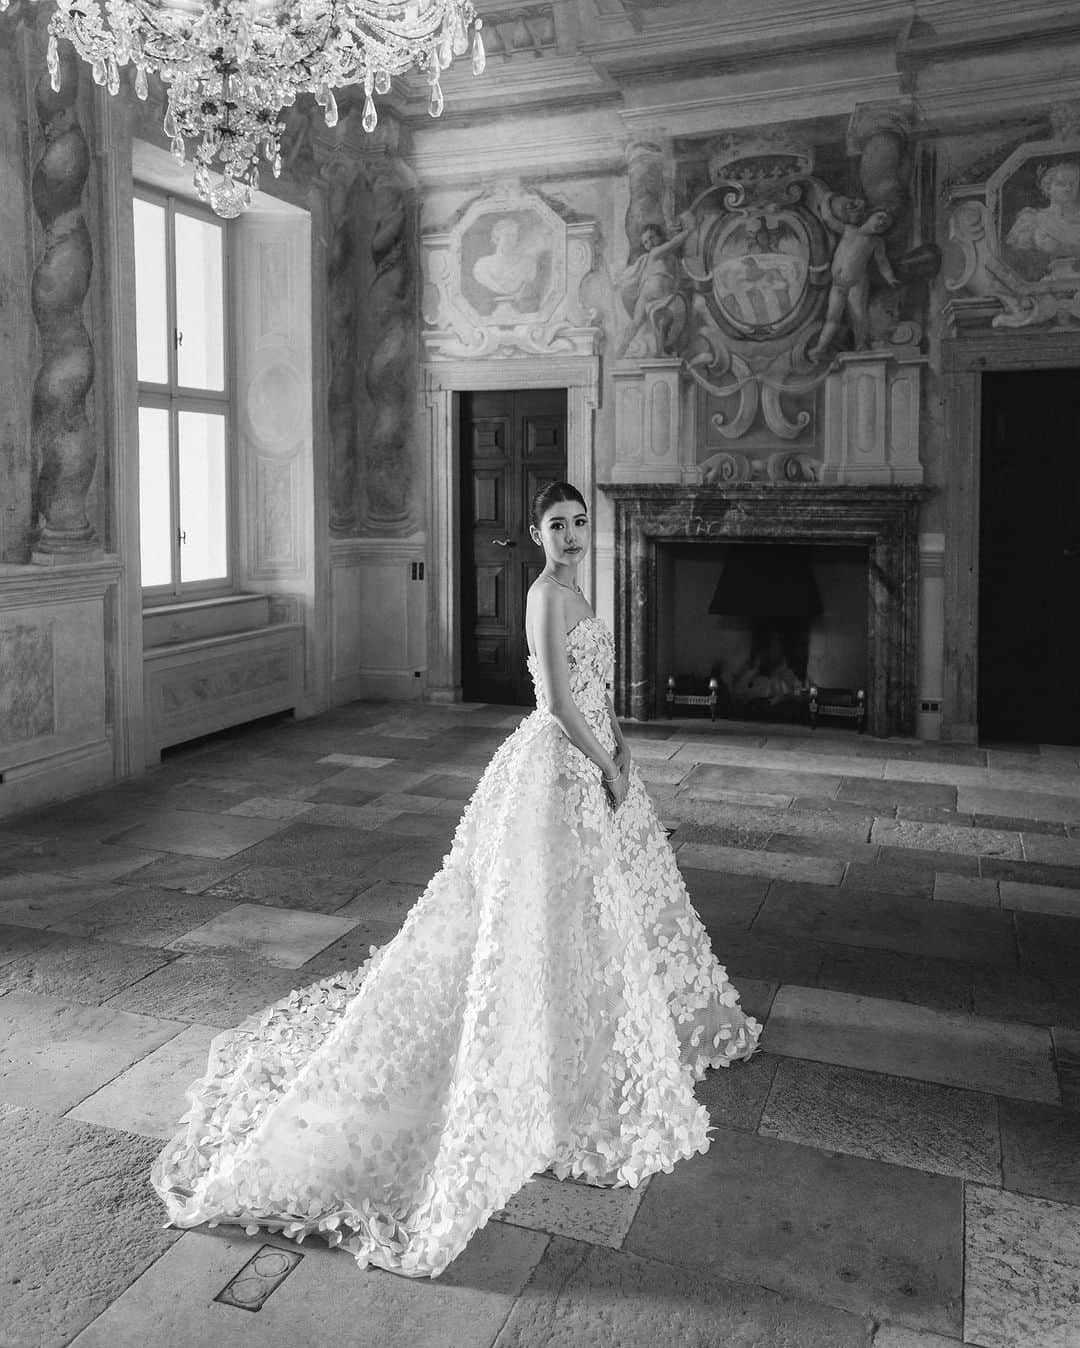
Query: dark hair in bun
x=552 y=494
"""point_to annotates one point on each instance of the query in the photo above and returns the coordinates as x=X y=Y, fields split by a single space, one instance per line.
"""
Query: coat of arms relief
x=753 y=296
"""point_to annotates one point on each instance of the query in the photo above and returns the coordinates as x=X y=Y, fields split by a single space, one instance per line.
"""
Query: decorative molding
x=507 y=277
x=35 y=586
x=346 y=552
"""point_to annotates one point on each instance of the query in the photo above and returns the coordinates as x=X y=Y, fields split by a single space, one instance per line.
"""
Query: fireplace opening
x=752 y=627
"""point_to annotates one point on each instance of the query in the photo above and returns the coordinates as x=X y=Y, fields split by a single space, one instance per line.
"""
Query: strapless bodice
x=590 y=653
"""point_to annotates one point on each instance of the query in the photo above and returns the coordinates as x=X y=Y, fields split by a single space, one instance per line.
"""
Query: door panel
x=1029 y=557
x=512 y=443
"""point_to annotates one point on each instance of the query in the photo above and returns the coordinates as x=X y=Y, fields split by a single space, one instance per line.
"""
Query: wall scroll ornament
x=1013 y=253
x=506 y=278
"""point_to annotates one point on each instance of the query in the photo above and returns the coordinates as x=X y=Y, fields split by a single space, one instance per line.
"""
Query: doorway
x=1029 y=557
x=512 y=442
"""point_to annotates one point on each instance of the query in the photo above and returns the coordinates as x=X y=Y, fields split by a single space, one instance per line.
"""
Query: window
x=185 y=482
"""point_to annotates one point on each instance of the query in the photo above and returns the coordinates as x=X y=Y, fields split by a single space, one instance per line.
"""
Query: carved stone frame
x=964 y=360
x=444 y=381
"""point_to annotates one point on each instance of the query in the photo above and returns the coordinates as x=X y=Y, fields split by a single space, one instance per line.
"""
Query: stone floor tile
x=16 y=941
x=888 y=922
x=135 y=915
x=897 y=1336
x=351 y=816
x=43 y=898
x=951 y=838
x=862 y=791
x=827 y=805
x=708 y=778
x=1067 y=1061
x=1004 y=994
x=281 y=936
x=880 y=878
x=720 y=899
x=867 y=1237
x=1021 y=1271
x=735 y=1096
x=657 y=773
x=349 y=951
x=213 y=989
x=756 y=997
x=577 y=1211
x=53 y=1053
x=762 y=955
x=817 y=824
x=435 y=825
x=89 y=972
x=342 y=795
x=583 y=1295
x=1041 y=847
x=1014 y=824
x=199 y=835
x=355 y=761
x=324 y=1300
x=384 y=901
x=922 y=859
x=1040 y=1146
x=1031 y=872
x=924 y=773
x=318 y=846
x=820 y=847
x=931 y=1128
x=88 y=862
x=150 y=1096
x=414 y=865
x=447 y=785
x=1033 y=804
x=1049 y=944
x=972 y=890
x=946 y=1047
x=942 y=984
x=774 y=865
x=1040 y=898
x=268 y=807
x=191 y=874
x=81 y=1224
x=690 y=829
x=939 y=814
x=312 y=891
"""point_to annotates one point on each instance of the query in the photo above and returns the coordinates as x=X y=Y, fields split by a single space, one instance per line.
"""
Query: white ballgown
x=546 y=1006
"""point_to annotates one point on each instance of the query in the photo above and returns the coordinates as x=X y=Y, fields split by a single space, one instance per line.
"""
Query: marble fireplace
x=875 y=523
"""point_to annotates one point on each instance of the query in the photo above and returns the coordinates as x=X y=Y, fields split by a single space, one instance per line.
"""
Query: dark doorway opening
x=512 y=442
x=1029 y=557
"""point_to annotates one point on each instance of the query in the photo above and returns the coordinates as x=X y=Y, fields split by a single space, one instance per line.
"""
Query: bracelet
x=611 y=780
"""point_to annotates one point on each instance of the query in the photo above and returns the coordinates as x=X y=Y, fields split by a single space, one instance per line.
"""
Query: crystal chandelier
x=231 y=66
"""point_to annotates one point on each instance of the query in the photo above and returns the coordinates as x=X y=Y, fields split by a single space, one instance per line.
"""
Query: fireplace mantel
x=883 y=519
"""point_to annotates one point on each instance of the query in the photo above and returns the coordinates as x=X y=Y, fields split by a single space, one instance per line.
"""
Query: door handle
x=504 y=542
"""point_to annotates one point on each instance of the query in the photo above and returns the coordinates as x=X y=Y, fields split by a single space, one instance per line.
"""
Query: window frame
x=174 y=398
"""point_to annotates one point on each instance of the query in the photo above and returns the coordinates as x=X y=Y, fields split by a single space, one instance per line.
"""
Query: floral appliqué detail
x=547 y=1005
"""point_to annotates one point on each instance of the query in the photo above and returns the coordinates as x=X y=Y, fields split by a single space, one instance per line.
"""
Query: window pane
x=200 y=316
x=203 y=532
x=155 y=524
x=151 y=304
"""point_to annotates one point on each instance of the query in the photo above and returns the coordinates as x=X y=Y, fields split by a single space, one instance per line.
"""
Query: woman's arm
x=549 y=629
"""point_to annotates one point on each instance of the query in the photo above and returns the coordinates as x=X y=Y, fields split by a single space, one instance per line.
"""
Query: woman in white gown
x=547 y=1004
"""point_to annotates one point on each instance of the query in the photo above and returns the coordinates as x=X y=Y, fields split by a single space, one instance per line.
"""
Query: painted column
x=339 y=171
x=392 y=367
x=63 y=443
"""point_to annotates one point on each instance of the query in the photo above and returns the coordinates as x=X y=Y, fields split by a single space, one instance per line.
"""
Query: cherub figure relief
x=861 y=240
x=650 y=290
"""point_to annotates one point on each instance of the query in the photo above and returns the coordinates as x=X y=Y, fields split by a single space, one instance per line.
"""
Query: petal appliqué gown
x=547 y=1005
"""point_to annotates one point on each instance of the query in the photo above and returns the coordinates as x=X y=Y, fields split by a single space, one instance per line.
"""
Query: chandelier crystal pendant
x=231 y=66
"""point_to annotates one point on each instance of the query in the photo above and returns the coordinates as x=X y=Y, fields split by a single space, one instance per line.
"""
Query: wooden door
x=512 y=442
x=1029 y=557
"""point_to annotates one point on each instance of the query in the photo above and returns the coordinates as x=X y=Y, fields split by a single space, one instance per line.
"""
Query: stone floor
x=900 y=1166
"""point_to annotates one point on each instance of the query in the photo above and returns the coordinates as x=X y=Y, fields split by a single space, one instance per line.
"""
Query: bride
x=547 y=1004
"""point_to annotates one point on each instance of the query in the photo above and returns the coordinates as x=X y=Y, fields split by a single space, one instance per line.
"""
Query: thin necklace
x=574 y=589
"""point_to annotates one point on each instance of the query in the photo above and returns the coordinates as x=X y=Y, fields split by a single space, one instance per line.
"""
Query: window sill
x=196 y=619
